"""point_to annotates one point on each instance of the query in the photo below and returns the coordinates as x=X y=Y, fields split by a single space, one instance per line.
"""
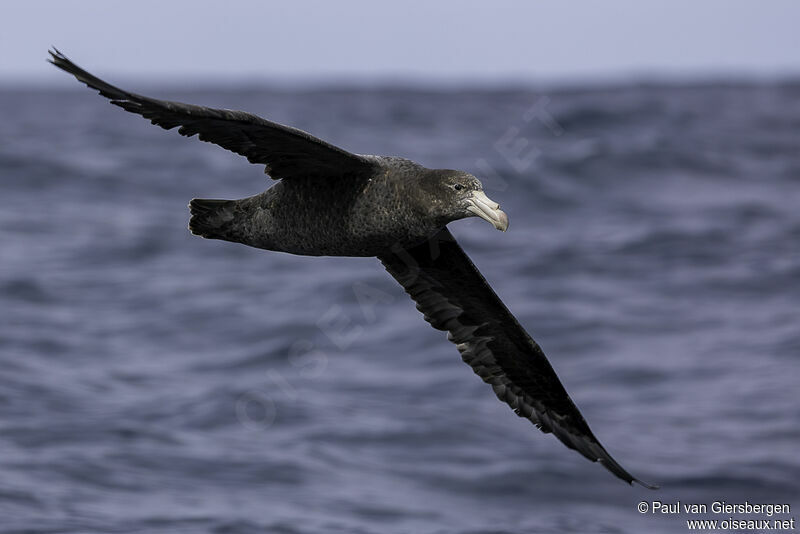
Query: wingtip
x=57 y=58
x=610 y=464
x=645 y=484
x=55 y=53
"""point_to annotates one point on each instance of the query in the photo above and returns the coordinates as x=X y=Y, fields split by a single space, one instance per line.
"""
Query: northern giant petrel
x=330 y=202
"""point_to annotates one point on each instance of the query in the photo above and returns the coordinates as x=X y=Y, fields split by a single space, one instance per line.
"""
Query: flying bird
x=330 y=202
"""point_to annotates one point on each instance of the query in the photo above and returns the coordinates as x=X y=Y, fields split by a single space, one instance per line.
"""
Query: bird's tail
x=210 y=217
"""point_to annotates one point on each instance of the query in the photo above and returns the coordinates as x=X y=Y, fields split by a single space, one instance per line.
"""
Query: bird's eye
x=458 y=187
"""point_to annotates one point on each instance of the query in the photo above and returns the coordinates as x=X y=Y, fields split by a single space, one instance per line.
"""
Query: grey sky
x=438 y=41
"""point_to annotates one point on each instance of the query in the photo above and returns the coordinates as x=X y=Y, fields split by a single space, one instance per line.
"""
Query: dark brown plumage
x=454 y=297
x=331 y=202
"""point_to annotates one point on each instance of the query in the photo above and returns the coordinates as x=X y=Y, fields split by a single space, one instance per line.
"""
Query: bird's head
x=458 y=195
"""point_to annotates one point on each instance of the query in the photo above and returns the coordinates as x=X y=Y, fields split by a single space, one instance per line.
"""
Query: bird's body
x=330 y=202
x=365 y=214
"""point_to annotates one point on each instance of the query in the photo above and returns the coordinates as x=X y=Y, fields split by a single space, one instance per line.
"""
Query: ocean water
x=153 y=381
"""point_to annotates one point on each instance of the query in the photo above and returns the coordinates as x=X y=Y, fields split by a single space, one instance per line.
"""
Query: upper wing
x=287 y=152
x=455 y=297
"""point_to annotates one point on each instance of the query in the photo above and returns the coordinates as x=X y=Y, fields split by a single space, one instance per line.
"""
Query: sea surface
x=153 y=381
